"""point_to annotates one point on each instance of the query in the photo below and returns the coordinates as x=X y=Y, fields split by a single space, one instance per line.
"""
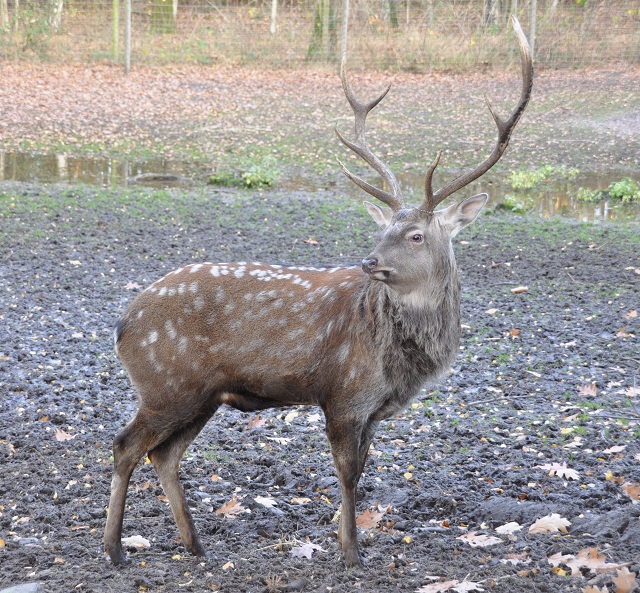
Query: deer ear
x=382 y=216
x=458 y=216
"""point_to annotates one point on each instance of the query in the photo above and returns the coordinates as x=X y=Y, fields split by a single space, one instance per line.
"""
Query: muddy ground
x=547 y=376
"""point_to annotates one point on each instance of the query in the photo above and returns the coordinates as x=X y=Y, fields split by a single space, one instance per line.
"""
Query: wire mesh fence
x=414 y=35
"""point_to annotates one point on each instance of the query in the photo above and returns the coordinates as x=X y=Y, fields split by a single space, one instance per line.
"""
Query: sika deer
x=254 y=336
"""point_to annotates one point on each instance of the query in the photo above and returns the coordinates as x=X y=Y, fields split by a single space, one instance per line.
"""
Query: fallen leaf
x=520 y=289
x=132 y=286
x=231 y=508
x=256 y=422
x=562 y=471
x=280 y=440
x=437 y=587
x=615 y=449
x=61 y=435
x=509 y=528
x=300 y=500
x=228 y=565
x=136 y=541
x=310 y=241
x=632 y=391
x=266 y=501
x=479 y=541
x=631 y=314
x=289 y=418
x=586 y=558
x=549 y=524
x=595 y=590
x=625 y=581
x=491 y=311
x=369 y=519
x=306 y=550
x=632 y=491
x=516 y=559
x=589 y=389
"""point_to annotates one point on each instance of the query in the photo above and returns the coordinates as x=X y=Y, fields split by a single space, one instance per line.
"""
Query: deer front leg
x=345 y=442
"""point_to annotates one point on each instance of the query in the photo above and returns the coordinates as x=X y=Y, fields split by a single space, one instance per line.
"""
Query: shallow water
x=554 y=198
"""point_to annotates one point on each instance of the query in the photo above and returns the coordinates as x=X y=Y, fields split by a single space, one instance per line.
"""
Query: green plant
x=515 y=205
x=626 y=190
x=249 y=173
x=526 y=179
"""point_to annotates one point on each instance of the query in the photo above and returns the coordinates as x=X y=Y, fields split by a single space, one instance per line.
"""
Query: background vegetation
x=410 y=35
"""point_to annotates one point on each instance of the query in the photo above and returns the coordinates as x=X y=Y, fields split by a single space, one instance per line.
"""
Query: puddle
x=52 y=168
x=557 y=198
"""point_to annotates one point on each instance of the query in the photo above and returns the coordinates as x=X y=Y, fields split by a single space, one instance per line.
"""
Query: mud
x=464 y=458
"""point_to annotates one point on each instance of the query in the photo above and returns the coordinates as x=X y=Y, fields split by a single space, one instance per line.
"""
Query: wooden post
x=127 y=37
x=115 y=22
x=345 y=27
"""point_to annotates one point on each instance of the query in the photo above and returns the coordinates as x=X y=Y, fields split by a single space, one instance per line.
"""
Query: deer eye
x=416 y=238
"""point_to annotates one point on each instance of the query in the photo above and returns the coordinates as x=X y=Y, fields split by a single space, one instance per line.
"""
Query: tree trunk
x=393 y=14
x=274 y=16
x=323 y=39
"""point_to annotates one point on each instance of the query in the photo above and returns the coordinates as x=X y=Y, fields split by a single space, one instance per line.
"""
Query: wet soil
x=549 y=375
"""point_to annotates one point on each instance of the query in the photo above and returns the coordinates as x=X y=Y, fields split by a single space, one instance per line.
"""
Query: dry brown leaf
x=231 y=508
x=595 y=589
x=437 y=587
x=631 y=314
x=132 y=286
x=586 y=558
x=625 y=581
x=562 y=471
x=615 y=449
x=590 y=389
x=256 y=422
x=632 y=391
x=61 y=435
x=369 y=519
x=632 y=491
x=520 y=289
x=549 y=524
x=479 y=541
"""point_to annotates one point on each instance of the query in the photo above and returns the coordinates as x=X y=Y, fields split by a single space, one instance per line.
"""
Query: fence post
x=345 y=27
x=127 y=37
x=115 y=23
x=532 y=26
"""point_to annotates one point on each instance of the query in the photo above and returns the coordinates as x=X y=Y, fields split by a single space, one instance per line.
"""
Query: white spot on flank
x=181 y=288
x=193 y=287
x=140 y=313
x=239 y=273
x=162 y=291
x=229 y=308
x=195 y=268
x=152 y=337
x=171 y=331
x=215 y=271
x=177 y=271
x=182 y=345
x=220 y=295
x=198 y=303
x=172 y=292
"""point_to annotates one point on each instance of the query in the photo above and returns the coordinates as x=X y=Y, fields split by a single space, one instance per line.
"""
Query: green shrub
x=526 y=179
x=626 y=190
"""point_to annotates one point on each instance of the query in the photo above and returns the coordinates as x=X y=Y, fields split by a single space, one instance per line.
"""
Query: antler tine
x=393 y=199
x=505 y=127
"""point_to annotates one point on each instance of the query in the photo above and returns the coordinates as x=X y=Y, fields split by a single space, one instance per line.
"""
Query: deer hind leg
x=349 y=446
x=128 y=447
x=166 y=459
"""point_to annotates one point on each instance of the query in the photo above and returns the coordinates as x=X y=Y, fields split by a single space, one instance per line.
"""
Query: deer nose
x=369 y=264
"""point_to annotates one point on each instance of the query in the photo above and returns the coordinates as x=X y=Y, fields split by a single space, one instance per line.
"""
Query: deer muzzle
x=371 y=266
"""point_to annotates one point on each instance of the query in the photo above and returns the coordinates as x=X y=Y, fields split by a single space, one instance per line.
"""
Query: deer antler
x=505 y=127
x=392 y=199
